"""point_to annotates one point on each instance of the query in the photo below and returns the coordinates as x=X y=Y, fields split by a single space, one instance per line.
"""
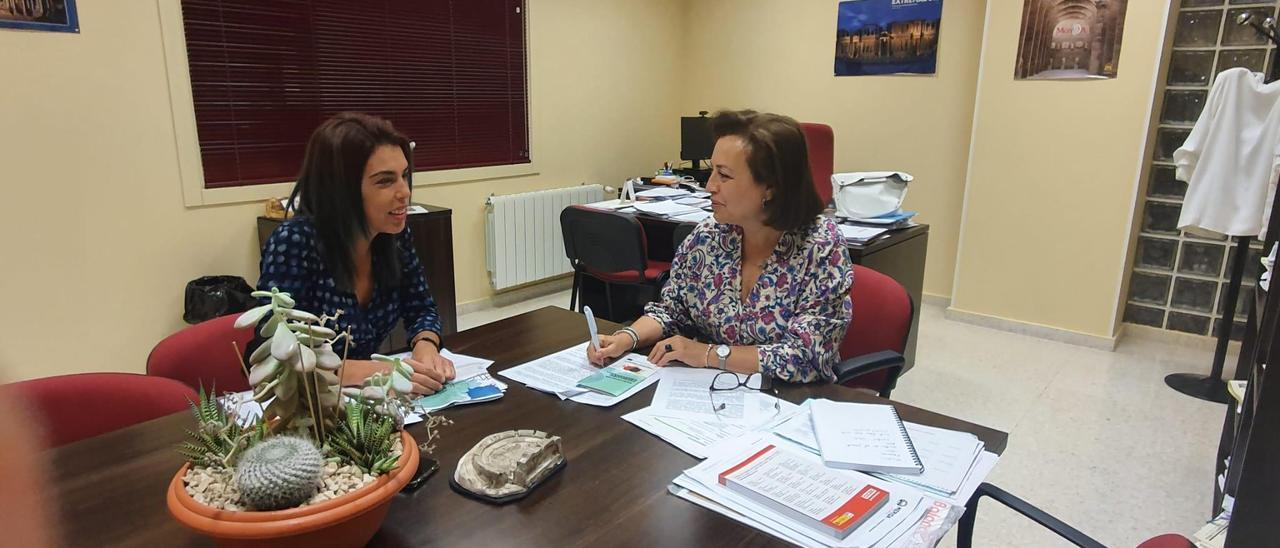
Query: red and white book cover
x=825 y=500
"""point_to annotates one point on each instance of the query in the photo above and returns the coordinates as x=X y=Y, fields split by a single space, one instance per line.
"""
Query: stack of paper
x=907 y=517
x=860 y=234
x=695 y=202
x=663 y=192
x=560 y=374
x=681 y=412
x=955 y=463
x=666 y=208
x=693 y=217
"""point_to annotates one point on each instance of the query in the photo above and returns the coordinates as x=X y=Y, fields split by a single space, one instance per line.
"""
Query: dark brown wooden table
x=613 y=491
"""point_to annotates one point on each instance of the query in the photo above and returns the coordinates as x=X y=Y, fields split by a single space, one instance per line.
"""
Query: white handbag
x=864 y=194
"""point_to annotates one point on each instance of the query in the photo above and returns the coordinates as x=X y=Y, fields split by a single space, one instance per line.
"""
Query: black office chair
x=610 y=247
x=682 y=231
x=964 y=539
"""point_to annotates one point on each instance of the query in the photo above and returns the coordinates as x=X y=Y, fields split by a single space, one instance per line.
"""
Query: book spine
x=902 y=427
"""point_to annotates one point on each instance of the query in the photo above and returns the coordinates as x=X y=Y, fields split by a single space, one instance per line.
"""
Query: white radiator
x=523 y=233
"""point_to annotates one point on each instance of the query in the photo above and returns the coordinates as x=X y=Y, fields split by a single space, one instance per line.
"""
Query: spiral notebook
x=864 y=436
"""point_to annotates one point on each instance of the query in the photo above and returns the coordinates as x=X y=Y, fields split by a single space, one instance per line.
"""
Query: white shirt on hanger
x=1231 y=159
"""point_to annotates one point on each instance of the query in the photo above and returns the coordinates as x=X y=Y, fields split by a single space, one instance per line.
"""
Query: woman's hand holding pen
x=611 y=346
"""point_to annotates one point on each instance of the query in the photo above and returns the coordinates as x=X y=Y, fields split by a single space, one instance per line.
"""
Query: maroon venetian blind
x=450 y=74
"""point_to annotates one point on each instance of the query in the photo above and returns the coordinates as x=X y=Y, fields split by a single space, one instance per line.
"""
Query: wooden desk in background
x=110 y=489
x=433 y=241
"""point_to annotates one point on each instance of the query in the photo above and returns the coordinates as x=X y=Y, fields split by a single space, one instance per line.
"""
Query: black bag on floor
x=211 y=296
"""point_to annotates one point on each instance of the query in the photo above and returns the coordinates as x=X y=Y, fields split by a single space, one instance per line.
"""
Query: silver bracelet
x=635 y=337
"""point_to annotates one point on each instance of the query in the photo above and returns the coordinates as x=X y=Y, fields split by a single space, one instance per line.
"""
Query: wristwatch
x=722 y=352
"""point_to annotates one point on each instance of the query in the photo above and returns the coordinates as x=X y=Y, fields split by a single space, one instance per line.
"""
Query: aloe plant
x=365 y=439
x=221 y=436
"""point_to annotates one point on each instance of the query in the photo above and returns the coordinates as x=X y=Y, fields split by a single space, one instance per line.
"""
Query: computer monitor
x=696 y=140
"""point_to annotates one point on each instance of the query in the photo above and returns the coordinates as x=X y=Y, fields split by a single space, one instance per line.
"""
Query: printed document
x=560 y=373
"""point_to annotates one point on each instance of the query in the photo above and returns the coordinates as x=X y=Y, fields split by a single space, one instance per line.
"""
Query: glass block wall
x=1179 y=281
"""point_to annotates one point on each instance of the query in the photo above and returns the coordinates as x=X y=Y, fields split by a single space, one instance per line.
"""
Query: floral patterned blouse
x=291 y=261
x=796 y=315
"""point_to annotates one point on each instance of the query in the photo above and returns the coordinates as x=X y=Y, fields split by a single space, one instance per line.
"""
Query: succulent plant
x=280 y=472
x=365 y=439
x=220 y=435
x=296 y=368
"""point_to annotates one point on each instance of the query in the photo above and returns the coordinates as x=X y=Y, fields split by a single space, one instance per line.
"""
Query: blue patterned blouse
x=796 y=315
x=291 y=261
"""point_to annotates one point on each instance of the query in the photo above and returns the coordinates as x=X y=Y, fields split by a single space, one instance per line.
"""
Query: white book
x=863 y=436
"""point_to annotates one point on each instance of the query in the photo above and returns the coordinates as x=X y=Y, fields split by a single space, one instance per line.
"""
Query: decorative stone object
x=506 y=466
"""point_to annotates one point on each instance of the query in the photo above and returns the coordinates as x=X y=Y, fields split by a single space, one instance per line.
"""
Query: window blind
x=450 y=74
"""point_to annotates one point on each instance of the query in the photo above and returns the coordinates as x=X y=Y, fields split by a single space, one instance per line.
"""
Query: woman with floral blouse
x=763 y=286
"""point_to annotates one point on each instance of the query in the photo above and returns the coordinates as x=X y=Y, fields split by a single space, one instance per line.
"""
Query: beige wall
x=1052 y=184
x=98 y=245
x=778 y=56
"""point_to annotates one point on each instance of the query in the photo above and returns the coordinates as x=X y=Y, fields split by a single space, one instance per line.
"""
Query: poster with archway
x=49 y=15
x=1070 y=39
x=877 y=37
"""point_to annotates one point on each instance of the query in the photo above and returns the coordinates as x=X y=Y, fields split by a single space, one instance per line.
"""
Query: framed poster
x=887 y=37
x=1075 y=40
x=49 y=15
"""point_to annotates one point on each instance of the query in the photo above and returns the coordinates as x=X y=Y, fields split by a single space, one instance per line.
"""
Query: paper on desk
x=701 y=194
x=662 y=192
x=246 y=409
x=953 y=469
x=860 y=233
x=694 y=436
x=685 y=393
x=693 y=217
x=464 y=366
x=560 y=372
x=883 y=528
x=695 y=202
x=608 y=204
x=667 y=208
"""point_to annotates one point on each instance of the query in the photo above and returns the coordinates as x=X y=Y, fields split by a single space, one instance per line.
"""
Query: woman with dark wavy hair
x=349 y=249
x=763 y=285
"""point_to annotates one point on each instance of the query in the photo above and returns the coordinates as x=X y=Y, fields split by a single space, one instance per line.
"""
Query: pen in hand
x=591 y=328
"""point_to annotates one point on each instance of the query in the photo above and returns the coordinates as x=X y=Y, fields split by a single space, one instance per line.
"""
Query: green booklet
x=620 y=376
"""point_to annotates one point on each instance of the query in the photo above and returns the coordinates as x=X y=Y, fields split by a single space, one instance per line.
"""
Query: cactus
x=280 y=472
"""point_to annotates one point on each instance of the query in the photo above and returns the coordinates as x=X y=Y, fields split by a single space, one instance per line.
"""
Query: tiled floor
x=1095 y=437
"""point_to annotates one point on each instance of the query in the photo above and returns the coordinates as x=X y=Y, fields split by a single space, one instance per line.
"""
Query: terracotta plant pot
x=349 y=520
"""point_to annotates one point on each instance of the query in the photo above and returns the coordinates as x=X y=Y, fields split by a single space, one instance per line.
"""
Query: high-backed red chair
x=610 y=247
x=75 y=407
x=871 y=352
x=822 y=151
x=202 y=354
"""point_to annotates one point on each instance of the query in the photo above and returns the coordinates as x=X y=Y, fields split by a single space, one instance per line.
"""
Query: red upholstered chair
x=202 y=354
x=822 y=150
x=871 y=352
x=610 y=247
x=75 y=407
x=964 y=539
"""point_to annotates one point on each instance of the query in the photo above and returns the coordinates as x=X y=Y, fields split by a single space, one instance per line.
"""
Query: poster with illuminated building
x=1070 y=39
x=887 y=37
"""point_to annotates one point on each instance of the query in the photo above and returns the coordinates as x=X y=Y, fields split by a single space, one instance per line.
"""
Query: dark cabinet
x=433 y=240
